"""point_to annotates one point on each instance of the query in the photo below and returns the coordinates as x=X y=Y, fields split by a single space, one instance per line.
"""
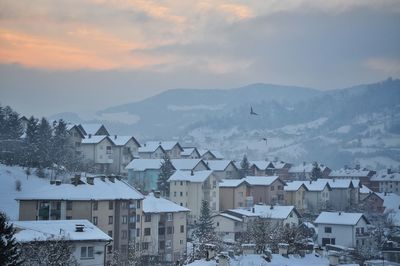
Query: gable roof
x=219 y=165
x=279 y=164
x=187 y=151
x=384 y=176
x=230 y=182
x=144 y=164
x=91 y=129
x=195 y=176
x=166 y=145
x=249 y=180
x=314 y=186
x=229 y=216
x=150 y=148
x=29 y=231
x=78 y=129
x=214 y=153
x=339 y=218
x=152 y=204
x=274 y=212
x=122 y=140
x=187 y=164
x=305 y=168
x=102 y=189
x=95 y=139
x=342 y=183
x=350 y=173
x=261 y=165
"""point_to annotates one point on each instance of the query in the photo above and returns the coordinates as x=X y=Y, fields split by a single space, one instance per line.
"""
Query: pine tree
x=316 y=172
x=44 y=140
x=11 y=128
x=166 y=170
x=31 y=143
x=244 y=167
x=62 y=147
x=9 y=253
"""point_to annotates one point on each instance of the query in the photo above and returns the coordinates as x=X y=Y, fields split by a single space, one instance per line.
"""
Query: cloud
x=388 y=66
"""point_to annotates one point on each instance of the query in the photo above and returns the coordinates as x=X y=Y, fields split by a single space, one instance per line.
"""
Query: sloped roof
x=91 y=128
x=151 y=147
x=391 y=202
x=384 y=176
x=94 y=139
x=279 y=164
x=100 y=190
x=365 y=190
x=166 y=145
x=317 y=185
x=215 y=153
x=230 y=182
x=152 y=204
x=274 y=212
x=350 y=173
x=339 y=218
x=28 y=231
x=341 y=183
x=262 y=165
x=260 y=180
x=144 y=164
x=305 y=168
x=197 y=177
x=226 y=215
x=187 y=164
x=188 y=151
x=219 y=165
x=122 y=140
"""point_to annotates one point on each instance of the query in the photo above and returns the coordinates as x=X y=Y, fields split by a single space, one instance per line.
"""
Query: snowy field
x=8 y=177
x=277 y=260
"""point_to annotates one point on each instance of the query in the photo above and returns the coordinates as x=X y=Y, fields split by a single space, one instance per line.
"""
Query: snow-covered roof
x=152 y=204
x=226 y=215
x=279 y=164
x=218 y=165
x=188 y=151
x=262 y=165
x=166 y=145
x=215 y=153
x=339 y=218
x=197 y=177
x=350 y=173
x=150 y=147
x=144 y=164
x=122 y=140
x=94 y=139
x=91 y=129
x=305 y=168
x=391 y=202
x=365 y=190
x=317 y=185
x=384 y=176
x=273 y=212
x=230 y=182
x=341 y=183
x=186 y=164
x=241 y=213
x=28 y=231
x=251 y=180
x=102 y=189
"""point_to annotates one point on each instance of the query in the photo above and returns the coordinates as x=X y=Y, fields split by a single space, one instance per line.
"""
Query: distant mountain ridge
x=340 y=126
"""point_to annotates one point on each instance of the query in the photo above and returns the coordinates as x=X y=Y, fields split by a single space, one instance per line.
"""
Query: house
x=303 y=171
x=153 y=151
x=172 y=148
x=343 y=229
x=373 y=203
x=77 y=135
x=190 y=188
x=164 y=229
x=284 y=215
x=259 y=168
x=98 y=150
x=144 y=173
x=210 y=154
x=88 y=242
x=363 y=175
x=108 y=202
x=93 y=129
x=344 y=194
x=364 y=192
x=125 y=148
x=311 y=196
x=223 y=169
x=280 y=169
x=190 y=153
x=386 y=181
x=384 y=203
x=235 y=193
x=189 y=164
x=228 y=227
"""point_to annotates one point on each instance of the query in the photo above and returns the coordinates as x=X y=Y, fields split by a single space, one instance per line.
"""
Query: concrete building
x=98 y=149
x=386 y=181
x=172 y=148
x=125 y=148
x=223 y=169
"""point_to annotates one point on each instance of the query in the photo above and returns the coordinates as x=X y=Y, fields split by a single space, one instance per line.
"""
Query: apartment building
x=223 y=169
x=98 y=149
x=125 y=148
x=172 y=148
x=190 y=188
x=164 y=230
x=108 y=202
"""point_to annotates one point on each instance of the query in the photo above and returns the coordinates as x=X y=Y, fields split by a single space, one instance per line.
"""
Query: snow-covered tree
x=204 y=232
x=44 y=143
x=9 y=253
x=261 y=233
x=31 y=143
x=49 y=252
x=244 y=167
x=316 y=172
x=10 y=126
x=166 y=171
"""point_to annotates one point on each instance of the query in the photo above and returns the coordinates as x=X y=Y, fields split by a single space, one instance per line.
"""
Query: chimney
x=385 y=193
x=340 y=213
x=52 y=182
x=103 y=178
x=252 y=210
x=358 y=167
x=111 y=178
x=90 y=180
x=76 y=180
x=90 y=135
x=346 y=166
x=310 y=182
x=157 y=194
x=272 y=207
x=79 y=227
x=389 y=171
x=58 y=182
x=191 y=172
x=115 y=136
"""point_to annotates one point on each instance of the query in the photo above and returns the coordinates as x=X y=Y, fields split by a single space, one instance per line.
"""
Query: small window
x=182 y=229
x=147 y=218
x=110 y=233
x=181 y=183
x=95 y=220
x=109 y=249
x=137 y=232
x=69 y=205
x=169 y=216
x=110 y=205
x=137 y=218
x=168 y=243
x=109 y=150
x=138 y=204
x=328 y=230
x=147 y=231
x=272 y=188
x=124 y=234
x=181 y=194
x=174 y=193
x=87 y=252
x=110 y=220
x=162 y=244
x=124 y=219
x=170 y=230
x=95 y=206
x=145 y=245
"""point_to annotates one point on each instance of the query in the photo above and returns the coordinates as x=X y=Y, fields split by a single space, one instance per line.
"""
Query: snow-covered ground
x=8 y=178
x=277 y=260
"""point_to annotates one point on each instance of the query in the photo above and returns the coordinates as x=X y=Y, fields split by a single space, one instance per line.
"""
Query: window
x=272 y=188
x=124 y=234
x=137 y=232
x=182 y=229
x=109 y=249
x=145 y=245
x=162 y=245
x=69 y=205
x=110 y=233
x=174 y=193
x=169 y=216
x=214 y=184
x=109 y=150
x=137 y=218
x=147 y=231
x=124 y=219
x=147 y=218
x=181 y=204
x=110 y=220
x=138 y=204
x=181 y=194
x=328 y=230
x=87 y=252
x=170 y=230
x=181 y=242
x=95 y=206
x=168 y=243
x=95 y=220
x=161 y=231
x=110 y=205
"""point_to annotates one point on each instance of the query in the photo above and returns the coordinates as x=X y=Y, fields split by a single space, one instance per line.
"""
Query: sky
x=86 y=55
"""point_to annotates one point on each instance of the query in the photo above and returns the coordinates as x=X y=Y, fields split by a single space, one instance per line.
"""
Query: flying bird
x=252 y=112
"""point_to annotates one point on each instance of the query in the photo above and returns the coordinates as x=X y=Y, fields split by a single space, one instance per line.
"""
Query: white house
x=190 y=153
x=89 y=242
x=210 y=154
x=190 y=188
x=172 y=148
x=223 y=169
x=343 y=229
x=125 y=148
x=153 y=151
x=228 y=227
x=386 y=181
x=98 y=149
